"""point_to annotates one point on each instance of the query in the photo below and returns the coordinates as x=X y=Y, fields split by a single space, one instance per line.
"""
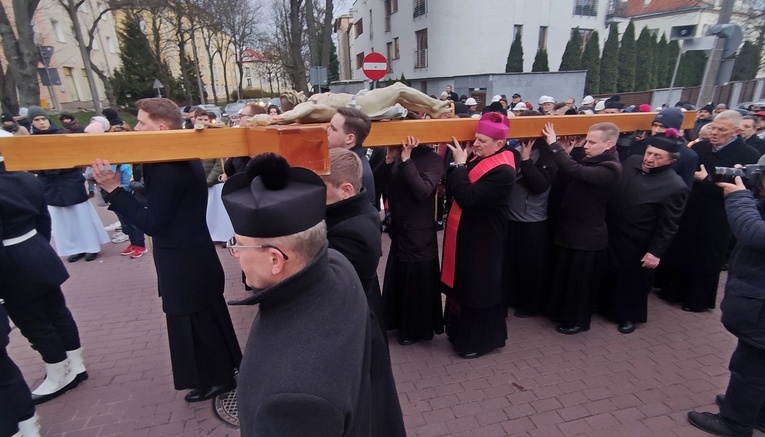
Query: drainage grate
x=226 y=408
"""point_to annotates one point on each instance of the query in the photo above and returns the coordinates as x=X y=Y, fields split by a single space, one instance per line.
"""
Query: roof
x=632 y=8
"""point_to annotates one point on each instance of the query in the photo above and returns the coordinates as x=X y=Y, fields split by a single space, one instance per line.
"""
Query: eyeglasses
x=232 y=246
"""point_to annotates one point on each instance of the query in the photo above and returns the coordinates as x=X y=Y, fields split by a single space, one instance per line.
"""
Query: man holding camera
x=691 y=267
x=743 y=308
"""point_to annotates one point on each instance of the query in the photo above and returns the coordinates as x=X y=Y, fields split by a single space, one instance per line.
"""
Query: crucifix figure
x=391 y=102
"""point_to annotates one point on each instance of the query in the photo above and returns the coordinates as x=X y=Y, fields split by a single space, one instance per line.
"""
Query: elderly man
x=546 y=105
x=311 y=365
x=691 y=268
x=642 y=217
x=474 y=239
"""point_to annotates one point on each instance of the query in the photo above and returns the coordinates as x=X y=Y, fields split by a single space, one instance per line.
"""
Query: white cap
x=588 y=100
x=470 y=102
x=658 y=109
x=496 y=98
x=600 y=106
x=546 y=99
x=520 y=106
x=444 y=94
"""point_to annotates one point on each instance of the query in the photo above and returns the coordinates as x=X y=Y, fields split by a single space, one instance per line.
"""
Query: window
x=420 y=8
x=421 y=55
x=96 y=46
x=110 y=44
x=58 y=30
x=395 y=48
x=584 y=36
x=389 y=47
x=518 y=29
x=249 y=83
x=587 y=8
x=358 y=28
x=391 y=7
x=542 y=38
x=359 y=60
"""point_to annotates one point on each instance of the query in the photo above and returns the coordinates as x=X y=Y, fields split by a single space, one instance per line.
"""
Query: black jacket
x=367 y=177
x=686 y=164
x=411 y=198
x=189 y=273
x=318 y=377
x=758 y=143
x=32 y=267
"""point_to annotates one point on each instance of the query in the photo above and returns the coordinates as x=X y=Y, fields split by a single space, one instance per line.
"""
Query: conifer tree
x=540 y=61
x=661 y=62
x=625 y=82
x=515 y=57
x=572 y=56
x=591 y=63
x=609 y=62
x=673 y=51
x=691 y=71
x=747 y=62
x=644 y=54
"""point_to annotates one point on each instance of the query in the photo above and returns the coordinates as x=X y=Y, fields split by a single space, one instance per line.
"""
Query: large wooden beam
x=302 y=145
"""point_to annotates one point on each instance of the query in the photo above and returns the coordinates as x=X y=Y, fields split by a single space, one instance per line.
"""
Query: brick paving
x=598 y=383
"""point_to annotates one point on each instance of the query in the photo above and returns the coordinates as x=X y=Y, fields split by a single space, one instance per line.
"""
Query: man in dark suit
x=749 y=134
x=203 y=346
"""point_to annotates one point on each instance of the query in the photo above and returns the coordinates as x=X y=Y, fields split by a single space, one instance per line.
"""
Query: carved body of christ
x=303 y=145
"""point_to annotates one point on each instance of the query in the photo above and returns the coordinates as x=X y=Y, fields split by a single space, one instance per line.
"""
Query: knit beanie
x=104 y=122
x=36 y=111
x=670 y=118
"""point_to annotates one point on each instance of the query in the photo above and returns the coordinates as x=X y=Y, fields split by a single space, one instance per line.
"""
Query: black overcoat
x=189 y=273
x=481 y=234
x=411 y=198
x=308 y=365
x=32 y=267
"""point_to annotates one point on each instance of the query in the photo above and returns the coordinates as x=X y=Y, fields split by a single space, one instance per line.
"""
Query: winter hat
x=7 y=116
x=644 y=108
x=444 y=94
x=708 y=108
x=520 y=106
x=546 y=99
x=36 y=111
x=529 y=106
x=104 y=122
x=588 y=100
x=666 y=140
x=94 y=127
x=670 y=118
x=516 y=96
x=614 y=104
x=494 y=125
x=470 y=102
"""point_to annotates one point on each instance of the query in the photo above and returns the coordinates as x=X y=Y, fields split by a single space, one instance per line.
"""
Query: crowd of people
x=558 y=226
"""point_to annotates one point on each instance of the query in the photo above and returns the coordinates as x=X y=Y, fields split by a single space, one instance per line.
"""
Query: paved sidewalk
x=598 y=383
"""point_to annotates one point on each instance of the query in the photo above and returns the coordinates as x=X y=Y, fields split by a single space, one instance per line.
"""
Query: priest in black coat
x=203 y=347
x=642 y=217
x=474 y=239
x=690 y=270
x=411 y=291
x=312 y=365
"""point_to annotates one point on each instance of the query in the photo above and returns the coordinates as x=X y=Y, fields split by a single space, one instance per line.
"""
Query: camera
x=750 y=174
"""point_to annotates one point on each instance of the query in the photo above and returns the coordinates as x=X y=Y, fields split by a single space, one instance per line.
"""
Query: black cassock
x=690 y=270
x=475 y=310
x=643 y=216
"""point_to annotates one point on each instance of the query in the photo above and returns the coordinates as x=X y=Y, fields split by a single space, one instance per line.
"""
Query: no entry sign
x=375 y=66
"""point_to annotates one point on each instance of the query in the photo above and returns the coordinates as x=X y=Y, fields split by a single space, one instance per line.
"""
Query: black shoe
x=39 y=399
x=203 y=394
x=569 y=329
x=76 y=257
x=82 y=376
x=626 y=327
x=521 y=314
x=470 y=355
x=692 y=310
x=406 y=341
x=719 y=399
x=714 y=424
x=91 y=256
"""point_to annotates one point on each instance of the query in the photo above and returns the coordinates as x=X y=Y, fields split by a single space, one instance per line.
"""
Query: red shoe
x=128 y=250
x=138 y=252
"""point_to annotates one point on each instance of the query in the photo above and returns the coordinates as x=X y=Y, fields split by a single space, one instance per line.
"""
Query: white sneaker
x=113 y=226
x=119 y=237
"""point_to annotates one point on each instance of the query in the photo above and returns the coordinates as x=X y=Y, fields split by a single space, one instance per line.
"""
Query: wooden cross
x=302 y=145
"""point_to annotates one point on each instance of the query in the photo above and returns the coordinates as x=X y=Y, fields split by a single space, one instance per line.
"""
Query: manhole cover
x=226 y=409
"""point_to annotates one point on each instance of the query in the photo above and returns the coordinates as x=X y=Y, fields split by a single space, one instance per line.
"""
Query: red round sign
x=375 y=66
